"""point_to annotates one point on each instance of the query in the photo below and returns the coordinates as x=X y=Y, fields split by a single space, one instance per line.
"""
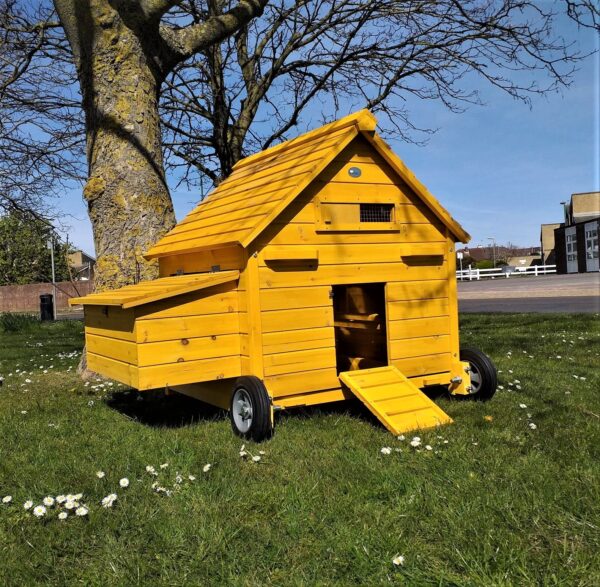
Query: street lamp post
x=51 y=247
x=491 y=238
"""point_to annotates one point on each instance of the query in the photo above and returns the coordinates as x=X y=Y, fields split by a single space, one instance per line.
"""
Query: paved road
x=576 y=304
x=578 y=292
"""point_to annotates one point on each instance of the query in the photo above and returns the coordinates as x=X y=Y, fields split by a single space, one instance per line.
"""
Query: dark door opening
x=359 y=320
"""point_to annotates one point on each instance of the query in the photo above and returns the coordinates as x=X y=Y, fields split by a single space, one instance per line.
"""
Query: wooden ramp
x=399 y=404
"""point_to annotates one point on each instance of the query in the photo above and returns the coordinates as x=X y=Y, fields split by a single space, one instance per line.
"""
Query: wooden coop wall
x=186 y=339
x=416 y=263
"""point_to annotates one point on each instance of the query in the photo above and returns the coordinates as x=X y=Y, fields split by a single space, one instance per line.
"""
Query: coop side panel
x=298 y=263
x=190 y=338
x=110 y=340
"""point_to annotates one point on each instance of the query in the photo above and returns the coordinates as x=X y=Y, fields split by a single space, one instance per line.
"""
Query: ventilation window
x=376 y=212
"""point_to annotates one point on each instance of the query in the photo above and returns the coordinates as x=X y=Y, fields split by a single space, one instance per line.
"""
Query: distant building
x=547 y=248
x=501 y=253
x=576 y=239
x=82 y=265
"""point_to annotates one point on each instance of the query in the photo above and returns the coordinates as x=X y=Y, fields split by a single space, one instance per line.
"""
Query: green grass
x=498 y=504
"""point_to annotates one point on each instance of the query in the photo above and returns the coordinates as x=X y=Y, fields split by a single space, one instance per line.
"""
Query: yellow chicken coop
x=320 y=270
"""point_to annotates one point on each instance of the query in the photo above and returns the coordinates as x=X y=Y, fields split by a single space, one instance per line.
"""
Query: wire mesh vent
x=376 y=212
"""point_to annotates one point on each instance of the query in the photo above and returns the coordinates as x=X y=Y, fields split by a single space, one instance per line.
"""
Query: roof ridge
x=364 y=119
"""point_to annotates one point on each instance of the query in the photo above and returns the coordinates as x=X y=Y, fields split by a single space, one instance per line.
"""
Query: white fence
x=477 y=274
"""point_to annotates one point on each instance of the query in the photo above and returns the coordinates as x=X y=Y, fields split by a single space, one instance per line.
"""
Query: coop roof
x=145 y=292
x=263 y=185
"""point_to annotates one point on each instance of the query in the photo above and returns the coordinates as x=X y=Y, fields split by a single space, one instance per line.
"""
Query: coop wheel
x=250 y=409
x=484 y=379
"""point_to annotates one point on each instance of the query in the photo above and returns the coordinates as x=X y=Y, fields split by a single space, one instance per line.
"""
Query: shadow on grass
x=159 y=410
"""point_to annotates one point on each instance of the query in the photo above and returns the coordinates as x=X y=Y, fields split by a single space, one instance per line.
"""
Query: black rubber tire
x=261 y=427
x=483 y=365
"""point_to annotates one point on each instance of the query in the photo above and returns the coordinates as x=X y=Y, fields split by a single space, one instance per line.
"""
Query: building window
x=376 y=212
x=591 y=243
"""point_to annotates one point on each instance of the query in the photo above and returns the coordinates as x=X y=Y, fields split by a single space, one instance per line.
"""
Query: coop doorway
x=360 y=326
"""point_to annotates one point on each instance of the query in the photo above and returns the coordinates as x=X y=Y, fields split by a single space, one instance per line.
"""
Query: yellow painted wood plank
x=416 y=347
x=297 y=361
x=370 y=173
x=409 y=409
x=314 y=398
x=187 y=327
x=348 y=274
x=340 y=254
x=160 y=376
x=255 y=318
x=305 y=234
x=417 y=327
x=338 y=191
x=398 y=310
x=177 y=352
x=425 y=365
x=294 y=297
x=298 y=340
x=306 y=381
x=117 y=370
x=416 y=290
x=453 y=300
x=215 y=300
x=297 y=318
x=293 y=253
x=120 y=350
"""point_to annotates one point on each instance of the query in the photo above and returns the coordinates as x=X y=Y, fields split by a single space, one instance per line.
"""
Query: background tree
x=24 y=252
x=123 y=50
x=247 y=92
x=40 y=114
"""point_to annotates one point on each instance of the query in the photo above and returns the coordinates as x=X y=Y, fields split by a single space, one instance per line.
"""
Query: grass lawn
x=493 y=503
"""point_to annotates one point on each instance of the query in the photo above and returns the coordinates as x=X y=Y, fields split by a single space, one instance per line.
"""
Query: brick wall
x=26 y=298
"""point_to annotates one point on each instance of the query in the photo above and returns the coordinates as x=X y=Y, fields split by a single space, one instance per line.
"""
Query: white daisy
x=28 y=505
x=428 y=447
x=206 y=468
x=109 y=500
x=416 y=441
x=70 y=504
x=398 y=560
x=39 y=511
x=63 y=516
x=100 y=474
x=178 y=479
x=386 y=450
x=78 y=496
x=256 y=458
x=150 y=469
x=164 y=465
x=523 y=406
x=191 y=477
x=61 y=499
x=401 y=437
x=48 y=501
x=81 y=511
x=7 y=499
x=532 y=425
x=124 y=482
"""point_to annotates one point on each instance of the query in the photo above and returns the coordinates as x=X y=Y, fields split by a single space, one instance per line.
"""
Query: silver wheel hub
x=475 y=379
x=242 y=410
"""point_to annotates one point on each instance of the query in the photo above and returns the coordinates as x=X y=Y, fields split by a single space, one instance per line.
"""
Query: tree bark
x=119 y=73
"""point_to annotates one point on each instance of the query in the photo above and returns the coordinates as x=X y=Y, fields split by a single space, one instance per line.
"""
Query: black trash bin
x=46 y=307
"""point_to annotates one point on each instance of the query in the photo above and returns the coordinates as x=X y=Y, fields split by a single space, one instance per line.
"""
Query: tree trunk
x=128 y=200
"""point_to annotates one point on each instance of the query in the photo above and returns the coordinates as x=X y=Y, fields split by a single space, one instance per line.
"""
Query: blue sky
x=501 y=169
